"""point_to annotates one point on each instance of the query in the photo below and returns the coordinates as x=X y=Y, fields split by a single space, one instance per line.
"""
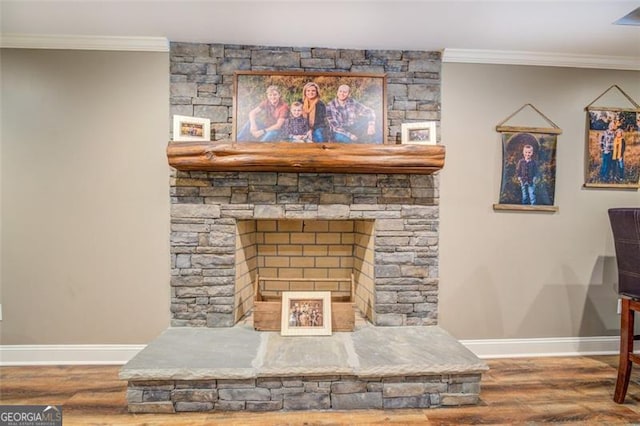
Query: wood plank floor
x=568 y=390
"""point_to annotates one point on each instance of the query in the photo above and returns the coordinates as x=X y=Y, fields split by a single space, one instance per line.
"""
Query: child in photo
x=528 y=175
x=296 y=128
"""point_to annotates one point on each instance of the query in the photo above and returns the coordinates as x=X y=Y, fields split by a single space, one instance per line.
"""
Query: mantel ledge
x=305 y=157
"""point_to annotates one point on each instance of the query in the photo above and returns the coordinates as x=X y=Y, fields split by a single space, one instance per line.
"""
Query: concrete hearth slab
x=190 y=353
x=240 y=352
x=403 y=351
x=307 y=355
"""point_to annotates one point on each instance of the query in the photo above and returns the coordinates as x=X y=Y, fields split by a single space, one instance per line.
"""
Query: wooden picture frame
x=613 y=148
x=191 y=129
x=419 y=133
x=612 y=154
x=528 y=165
x=306 y=313
x=259 y=117
x=528 y=147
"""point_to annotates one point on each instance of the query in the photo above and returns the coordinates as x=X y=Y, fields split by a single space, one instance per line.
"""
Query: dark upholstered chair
x=625 y=224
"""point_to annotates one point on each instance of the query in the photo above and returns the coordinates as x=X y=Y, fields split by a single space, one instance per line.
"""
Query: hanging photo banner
x=528 y=166
x=613 y=145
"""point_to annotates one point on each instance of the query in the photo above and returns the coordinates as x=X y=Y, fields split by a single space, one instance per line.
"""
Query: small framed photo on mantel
x=423 y=133
x=306 y=313
x=191 y=129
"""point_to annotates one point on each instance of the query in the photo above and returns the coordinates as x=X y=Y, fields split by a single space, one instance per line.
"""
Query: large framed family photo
x=306 y=107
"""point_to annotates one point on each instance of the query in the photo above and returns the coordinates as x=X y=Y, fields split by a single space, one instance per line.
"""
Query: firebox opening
x=305 y=253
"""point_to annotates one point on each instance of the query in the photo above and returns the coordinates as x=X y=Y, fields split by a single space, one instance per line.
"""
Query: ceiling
x=557 y=27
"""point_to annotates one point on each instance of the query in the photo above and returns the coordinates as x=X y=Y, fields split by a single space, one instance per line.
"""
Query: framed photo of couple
x=613 y=148
x=302 y=107
x=613 y=141
x=419 y=133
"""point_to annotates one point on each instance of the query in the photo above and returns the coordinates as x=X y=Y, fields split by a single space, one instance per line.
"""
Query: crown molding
x=545 y=59
x=75 y=42
x=472 y=56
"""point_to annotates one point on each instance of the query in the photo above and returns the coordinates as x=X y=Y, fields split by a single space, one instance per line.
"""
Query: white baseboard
x=22 y=355
x=67 y=354
x=552 y=346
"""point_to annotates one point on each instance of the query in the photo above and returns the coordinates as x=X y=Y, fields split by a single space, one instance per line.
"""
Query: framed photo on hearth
x=306 y=313
x=304 y=107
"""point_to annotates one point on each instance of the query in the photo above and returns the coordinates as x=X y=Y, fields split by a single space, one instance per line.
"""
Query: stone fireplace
x=302 y=231
x=227 y=228
x=304 y=224
x=214 y=213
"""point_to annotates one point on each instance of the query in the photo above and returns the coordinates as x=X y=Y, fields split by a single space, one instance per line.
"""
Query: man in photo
x=349 y=120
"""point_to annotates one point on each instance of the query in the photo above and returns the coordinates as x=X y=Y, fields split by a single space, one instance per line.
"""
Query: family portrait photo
x=528 y=169
x=306 y=313
x=187 y=129
x=419 y=133
x=613 y=153
x=309 y=108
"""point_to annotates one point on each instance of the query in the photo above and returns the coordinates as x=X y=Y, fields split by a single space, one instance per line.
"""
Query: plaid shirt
x=606 y=141
x=296 y=126
x=341 y=118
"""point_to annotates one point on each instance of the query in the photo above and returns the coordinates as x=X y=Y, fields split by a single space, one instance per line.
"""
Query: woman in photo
x=314 y=110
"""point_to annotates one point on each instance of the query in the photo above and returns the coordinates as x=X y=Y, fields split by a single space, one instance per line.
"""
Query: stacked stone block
x=303 y=393
x=203 y=236
x=403 y=206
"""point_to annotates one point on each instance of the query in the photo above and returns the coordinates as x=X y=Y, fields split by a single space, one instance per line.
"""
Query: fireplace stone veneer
x=211 y=287
x=238 y=368
x=212 y=359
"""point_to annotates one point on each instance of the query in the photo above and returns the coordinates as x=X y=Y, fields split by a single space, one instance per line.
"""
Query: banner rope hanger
x=554 y=129
x=631 y=101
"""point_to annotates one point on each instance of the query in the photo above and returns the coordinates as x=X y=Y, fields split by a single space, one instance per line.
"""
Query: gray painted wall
x=85 y=203
x=524 y=274
x=85 y=197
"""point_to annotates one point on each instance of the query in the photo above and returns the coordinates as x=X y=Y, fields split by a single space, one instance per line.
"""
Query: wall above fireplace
x=202 y=85
x=202 y=79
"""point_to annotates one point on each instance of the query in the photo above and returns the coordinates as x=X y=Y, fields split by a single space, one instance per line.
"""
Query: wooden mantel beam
x=305 y=157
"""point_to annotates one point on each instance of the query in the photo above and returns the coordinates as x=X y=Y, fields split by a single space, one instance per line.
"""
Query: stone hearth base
x=238 y=368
